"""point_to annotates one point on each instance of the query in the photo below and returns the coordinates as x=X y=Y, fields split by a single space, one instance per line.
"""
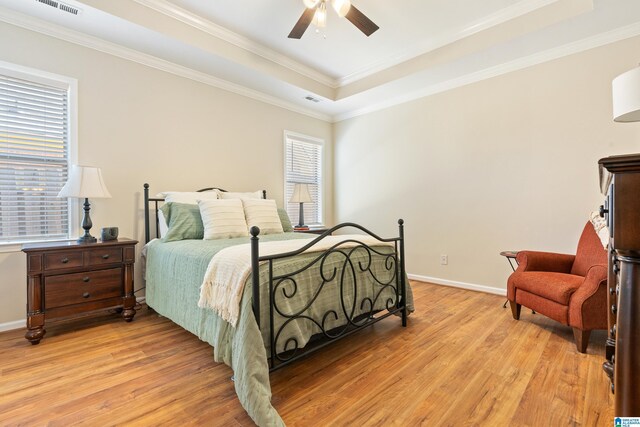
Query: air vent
x=311 y=98
x=61 y=6
x=70 y=9
x=49 y=3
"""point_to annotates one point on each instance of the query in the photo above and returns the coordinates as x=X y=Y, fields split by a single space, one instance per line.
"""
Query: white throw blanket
x=229 y=269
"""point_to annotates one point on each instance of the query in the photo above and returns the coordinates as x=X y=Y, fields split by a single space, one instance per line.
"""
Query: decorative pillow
x=189 y=197
x=163 y=226
x=243 y=196
x=184 y=221
x=264 y=214
x=600 y=226
x=223 y=219
x=285 y=221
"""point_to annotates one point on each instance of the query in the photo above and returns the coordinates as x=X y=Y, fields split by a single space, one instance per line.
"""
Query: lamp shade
x=301 y=194
x=626 y=96
x=84 y=182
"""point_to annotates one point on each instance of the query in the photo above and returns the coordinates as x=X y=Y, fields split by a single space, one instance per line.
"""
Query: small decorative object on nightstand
x=69 y=278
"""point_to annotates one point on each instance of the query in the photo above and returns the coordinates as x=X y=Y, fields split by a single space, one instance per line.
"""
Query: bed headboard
x=155 y=201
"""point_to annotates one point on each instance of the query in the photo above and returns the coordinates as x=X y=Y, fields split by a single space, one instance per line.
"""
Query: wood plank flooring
x=461 y=361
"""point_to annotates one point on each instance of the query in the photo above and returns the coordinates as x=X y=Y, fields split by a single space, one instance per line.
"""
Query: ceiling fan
x=316 y=13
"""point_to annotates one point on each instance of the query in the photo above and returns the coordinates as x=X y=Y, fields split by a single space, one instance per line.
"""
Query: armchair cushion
x=557 y=287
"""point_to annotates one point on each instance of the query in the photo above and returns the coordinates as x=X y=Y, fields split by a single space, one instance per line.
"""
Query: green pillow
x=284 y=219
x=184 y=222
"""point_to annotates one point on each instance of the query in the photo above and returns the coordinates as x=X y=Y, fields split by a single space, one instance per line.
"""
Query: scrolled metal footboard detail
x=368 y=284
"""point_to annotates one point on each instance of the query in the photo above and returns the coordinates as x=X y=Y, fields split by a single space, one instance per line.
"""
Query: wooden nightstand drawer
x=66 y=259
x=104 y=256
x=78 y=288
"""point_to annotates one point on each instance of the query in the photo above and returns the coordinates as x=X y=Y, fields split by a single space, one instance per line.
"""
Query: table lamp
x=626 y=96
x=85 y=182
x=301 y=195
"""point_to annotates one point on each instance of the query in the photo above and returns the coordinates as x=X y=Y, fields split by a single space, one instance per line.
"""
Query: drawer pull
x=105 y=256
x=65 y=260
x=86 y=279
x=86 y=295
x=614 y=309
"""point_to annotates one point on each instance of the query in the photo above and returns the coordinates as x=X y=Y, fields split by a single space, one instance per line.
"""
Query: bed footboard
x=379 y=270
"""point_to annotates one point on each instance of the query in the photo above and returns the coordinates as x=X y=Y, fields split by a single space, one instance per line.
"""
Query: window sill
x=17 y=247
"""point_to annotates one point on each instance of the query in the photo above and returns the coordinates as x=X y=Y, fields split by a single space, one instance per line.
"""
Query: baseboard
x=15 y=324
x=461 y=285
x=19 y=324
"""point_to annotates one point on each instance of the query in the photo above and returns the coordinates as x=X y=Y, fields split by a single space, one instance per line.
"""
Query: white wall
x=143 y=125
x=506 y=163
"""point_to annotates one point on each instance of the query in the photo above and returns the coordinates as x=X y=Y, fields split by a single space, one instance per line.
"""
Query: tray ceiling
x=422 y=47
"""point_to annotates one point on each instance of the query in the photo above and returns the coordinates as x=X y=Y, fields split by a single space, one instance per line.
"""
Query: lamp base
x=87 y=224
x=87 y=238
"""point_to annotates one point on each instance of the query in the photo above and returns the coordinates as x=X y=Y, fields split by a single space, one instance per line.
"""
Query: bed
x=291 y=303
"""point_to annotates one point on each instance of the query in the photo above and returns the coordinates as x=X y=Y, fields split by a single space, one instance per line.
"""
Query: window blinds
x=303 y=164
x=33 y=161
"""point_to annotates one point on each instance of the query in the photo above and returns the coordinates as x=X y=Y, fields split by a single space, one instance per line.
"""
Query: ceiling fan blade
x=360 y=20
x=302 y=24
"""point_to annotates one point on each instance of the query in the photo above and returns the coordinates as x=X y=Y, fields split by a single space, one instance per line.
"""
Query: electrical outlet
x=444 y=259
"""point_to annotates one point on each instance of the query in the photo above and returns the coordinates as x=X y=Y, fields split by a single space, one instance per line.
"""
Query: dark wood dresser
x=69 y=278
x=622 y=211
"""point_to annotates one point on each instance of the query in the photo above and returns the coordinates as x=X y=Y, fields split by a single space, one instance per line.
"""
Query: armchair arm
x=588 y=304
x=544 y=261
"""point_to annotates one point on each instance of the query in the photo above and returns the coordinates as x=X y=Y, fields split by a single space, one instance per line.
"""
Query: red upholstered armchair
x=570 y=289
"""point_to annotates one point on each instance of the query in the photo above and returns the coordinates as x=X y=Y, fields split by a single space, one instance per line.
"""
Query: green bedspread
x=174 y=273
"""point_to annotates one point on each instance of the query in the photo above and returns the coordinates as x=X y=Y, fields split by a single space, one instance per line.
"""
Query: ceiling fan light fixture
x=310 y=4
x=320 y=17
x=341 y=7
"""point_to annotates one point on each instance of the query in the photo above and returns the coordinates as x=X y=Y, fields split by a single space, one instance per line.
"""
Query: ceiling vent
x=61 y=6
x=311 y=98
x=49 y=3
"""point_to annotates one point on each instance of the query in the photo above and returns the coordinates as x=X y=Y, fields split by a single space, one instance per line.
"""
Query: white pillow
x=222 y=219
x=189 y=197
x=242 y=196
x=264 y=214
x=163 y=228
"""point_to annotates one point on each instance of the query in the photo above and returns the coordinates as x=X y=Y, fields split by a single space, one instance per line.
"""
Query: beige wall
x=506 y=163
x=143 y=125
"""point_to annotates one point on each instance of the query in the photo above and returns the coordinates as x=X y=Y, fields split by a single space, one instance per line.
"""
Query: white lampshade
x=301 y=194
x=84 y=182
x=310 y=4
x=626 y=96
x=341 y=6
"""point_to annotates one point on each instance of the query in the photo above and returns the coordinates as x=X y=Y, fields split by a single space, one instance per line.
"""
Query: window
x=303 y=165
x=34 y=156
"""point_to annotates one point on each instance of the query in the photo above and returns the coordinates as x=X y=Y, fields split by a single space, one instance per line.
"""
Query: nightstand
x=312 y=230
x=69 y=278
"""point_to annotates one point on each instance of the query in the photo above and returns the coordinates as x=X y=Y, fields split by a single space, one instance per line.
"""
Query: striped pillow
x=263 y=214
x=222 y=219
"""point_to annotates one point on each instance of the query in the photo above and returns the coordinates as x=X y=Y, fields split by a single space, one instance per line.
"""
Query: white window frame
x=71 y=85
x=321 y=193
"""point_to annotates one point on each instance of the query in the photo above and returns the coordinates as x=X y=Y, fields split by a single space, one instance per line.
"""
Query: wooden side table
x=69 y=278
x=312 y=230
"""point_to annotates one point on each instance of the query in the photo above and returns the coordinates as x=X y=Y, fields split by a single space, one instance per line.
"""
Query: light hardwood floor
x=462 y=360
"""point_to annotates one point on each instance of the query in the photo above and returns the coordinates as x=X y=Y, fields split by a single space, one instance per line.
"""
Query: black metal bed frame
x=357 y=260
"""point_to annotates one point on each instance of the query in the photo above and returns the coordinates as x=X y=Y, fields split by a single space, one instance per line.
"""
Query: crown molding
x=598 y=40
x=59 y=32
x=236 y=39
x=497 y=18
